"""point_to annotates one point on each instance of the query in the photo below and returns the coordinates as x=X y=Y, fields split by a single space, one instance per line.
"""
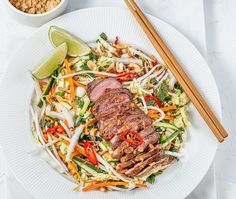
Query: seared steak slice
x=101 y=86
x=114 y=100
x=92 y=84
x=140 y=157
x=127 y=157
x=150 y=139
x=140 y=166
x=115 y=141
x=120 y=150
x=114 y=111
x=161 y=162
x=110 y=98
x=147 y=131
x=138 y=123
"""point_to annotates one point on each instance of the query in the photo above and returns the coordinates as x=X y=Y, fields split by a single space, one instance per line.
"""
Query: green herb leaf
x=84 y=136
x=61 y=94
x=91 y=104
x=158 y=129
x=151 y=179
x=153 y=80
x=151 y=102
x=103 y=36
x=177 y=86
x=48 y=87
x=97 y=138
x=79 y=102
x=52 y=106
x=45 y=123
x=163 y=91
x=85 y=67
x=93 y=56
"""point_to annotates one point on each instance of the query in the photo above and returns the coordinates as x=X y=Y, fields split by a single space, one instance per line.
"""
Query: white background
x=211 y=26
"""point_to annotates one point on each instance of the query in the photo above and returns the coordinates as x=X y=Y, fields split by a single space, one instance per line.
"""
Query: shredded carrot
x=65 y=142
x=75 y=152
x=77 y=148
x=153 y=114
x=72 y=88
x=100 y=75
x=73 y=169
x=168 y=108
x=63 y=157
x=141 y=185
x=65 y=122
x=103 y=184
x=81 y=150
x=77 y=84
x=53 y=91
x=89 y=123
x=167 y=117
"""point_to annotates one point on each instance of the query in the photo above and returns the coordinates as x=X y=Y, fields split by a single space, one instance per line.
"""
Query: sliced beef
x=150 y=139
x=140 y=166
x=120 y=150
x=153 y=165
x=127 y=157
x=140 y=158
x=115 y=141
x=147 y=131
x=115 y=112
x=96 y=91
x=92 y=84
x=114 y=100
x=138 y=122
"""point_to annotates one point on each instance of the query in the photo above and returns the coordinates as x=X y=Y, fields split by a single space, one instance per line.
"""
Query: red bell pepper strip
x=125 y=77
x=117 y=40
x=151 y=97
x=89 y=152
x=131 y=137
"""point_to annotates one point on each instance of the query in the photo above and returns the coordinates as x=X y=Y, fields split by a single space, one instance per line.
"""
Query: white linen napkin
x=13 y=34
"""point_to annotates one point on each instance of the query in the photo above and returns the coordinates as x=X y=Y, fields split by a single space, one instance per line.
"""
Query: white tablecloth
x=188 y=17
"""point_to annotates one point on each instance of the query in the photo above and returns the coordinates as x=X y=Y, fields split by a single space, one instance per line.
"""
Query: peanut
x=35 y=6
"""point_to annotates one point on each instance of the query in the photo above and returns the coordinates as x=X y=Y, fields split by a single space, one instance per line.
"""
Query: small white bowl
x=35 y=19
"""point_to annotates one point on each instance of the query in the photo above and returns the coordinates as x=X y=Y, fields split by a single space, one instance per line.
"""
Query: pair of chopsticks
x=178 y=72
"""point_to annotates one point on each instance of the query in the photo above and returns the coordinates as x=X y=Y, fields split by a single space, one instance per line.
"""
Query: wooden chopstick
x=178 y=72
x=180 y=69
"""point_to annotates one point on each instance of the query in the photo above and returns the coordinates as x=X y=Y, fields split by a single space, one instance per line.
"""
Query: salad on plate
x=107 y=115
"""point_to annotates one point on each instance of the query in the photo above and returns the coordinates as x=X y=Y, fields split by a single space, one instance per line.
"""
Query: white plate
x=35 y=175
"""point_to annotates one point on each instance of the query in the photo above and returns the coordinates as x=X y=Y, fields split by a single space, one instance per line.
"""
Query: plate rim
x=151 y=16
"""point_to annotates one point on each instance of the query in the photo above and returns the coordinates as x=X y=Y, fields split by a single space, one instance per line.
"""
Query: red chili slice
x=154 y=63
x=51 y=130
x=89 y=152
x=151 y=97
x=59 y=129
x=56 y=129
x=131 y=137
x=125 y=77
x=117 y=40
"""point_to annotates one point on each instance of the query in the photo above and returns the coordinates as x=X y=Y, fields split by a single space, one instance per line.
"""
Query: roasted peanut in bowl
x=35 y=12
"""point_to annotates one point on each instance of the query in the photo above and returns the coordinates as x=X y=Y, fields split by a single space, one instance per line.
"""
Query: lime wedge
x=51 y=63
x=76 y=47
